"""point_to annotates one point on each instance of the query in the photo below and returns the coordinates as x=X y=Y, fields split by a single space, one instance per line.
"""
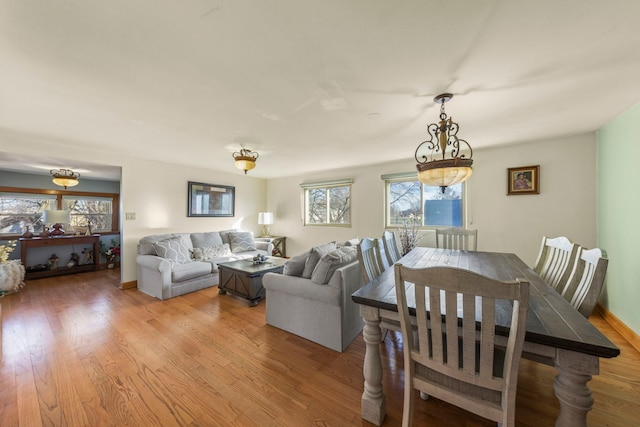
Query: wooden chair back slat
x=371 y=265
x=586 y=280
x=457 y=238
x=391 y=248
x=555 y=261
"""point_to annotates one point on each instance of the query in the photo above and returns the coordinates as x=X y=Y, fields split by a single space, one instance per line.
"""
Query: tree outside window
x=329 y=205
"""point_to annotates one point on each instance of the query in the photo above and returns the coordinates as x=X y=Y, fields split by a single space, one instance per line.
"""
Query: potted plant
x=111 y=253
x=409 y=236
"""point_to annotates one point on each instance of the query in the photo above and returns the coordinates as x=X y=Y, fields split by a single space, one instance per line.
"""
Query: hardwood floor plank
x=79 y=351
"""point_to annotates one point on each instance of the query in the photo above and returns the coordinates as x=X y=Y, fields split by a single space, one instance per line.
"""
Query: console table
x=39 y=242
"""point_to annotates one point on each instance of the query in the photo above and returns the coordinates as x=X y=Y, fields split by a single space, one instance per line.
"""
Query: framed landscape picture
x=210 y=200
x=523 y=180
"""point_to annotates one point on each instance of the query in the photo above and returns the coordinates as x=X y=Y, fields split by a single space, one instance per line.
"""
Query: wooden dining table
x=557 y=334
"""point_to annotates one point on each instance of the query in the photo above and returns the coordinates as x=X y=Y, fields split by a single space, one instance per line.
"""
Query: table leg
x=373 y=401
x=575 y=370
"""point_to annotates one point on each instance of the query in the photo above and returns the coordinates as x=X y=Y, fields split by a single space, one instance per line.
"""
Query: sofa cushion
x=241 y=241
x=224 y=235
x=208 y=239
x=332 y=261
x=209 y=252
x=295 y=265
x=314 y=256
x=174 y=249
x=182 y=272
x=145 y=246
x=352 y=242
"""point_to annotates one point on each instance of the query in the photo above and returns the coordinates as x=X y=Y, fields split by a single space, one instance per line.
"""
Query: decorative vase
x=11 y=276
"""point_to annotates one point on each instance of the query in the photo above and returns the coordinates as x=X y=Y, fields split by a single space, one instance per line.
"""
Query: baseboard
x=129 y=285
x=617 y=324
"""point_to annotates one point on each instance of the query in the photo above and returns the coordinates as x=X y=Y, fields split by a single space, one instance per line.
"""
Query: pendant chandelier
x=245 y=159
x=65 y=177
x=440 y=161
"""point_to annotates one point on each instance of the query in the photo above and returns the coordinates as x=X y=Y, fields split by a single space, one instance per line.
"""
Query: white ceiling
x=310 y=85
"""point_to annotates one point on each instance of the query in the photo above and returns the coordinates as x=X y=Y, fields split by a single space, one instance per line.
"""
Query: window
x=406 y=195
x=20 y=212
x=94 y=210
x=327 y=203
x=21 y=209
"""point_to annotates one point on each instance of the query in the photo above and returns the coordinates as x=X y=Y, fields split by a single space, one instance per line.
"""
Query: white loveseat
x=312 y=298
x=168 y=265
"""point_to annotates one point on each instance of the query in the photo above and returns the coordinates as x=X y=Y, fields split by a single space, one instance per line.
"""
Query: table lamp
x=57 y=218
x=265 y=219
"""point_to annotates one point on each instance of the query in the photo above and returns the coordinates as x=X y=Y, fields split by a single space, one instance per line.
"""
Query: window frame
x=409 y=177
x=115 y=203
x=327 y=186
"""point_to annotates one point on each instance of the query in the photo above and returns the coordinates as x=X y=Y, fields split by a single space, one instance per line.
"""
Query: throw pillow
x=206 y=239
x=242 y=242
x=295 y=265
x=173 y=249
x=352 y=242
x=314 y=256
x=332 y=261
x=209 y=252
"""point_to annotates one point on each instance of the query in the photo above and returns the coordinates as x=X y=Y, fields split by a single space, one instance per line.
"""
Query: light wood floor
x=80 y=352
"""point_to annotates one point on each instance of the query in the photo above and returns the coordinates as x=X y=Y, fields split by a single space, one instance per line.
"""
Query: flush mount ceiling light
x=245 y=159
x=440 y=161
x=65 y=177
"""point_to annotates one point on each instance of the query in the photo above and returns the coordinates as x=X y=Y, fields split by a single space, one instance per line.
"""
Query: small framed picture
x=210 y=199
x=523 y=180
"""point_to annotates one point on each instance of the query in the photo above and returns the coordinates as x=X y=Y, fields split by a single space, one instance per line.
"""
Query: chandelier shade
x=442 y=160
x=245 y=160
x=65 y=177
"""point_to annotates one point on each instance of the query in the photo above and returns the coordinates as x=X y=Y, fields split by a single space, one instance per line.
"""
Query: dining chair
x=370 y=259
x=372 y=266
x=391 y=247
x=457 y=238
x=586 y=280
x=555 y=260
x=457 y=360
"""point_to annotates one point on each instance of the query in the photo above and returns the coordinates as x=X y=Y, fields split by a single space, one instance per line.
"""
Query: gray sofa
x=168 y=265
x=312 y=298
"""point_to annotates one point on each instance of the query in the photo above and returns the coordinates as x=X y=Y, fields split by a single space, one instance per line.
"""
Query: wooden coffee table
x=244 y=279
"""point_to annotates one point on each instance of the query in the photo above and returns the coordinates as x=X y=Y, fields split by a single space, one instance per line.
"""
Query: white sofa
x=312 y=299
x=168 y=265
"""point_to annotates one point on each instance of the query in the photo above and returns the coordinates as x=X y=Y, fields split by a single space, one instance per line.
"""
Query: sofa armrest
x=154 y=275
x=264 y=245
x=348 y=279
x=300 y=287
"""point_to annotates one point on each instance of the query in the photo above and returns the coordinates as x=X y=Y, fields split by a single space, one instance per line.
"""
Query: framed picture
x=210 y=199
x=523 y=180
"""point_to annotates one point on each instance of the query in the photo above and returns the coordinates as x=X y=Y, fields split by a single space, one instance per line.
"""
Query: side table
x=279 y=245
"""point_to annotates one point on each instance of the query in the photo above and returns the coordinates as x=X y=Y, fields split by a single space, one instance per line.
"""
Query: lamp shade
x=265 y=218
x=56 y=217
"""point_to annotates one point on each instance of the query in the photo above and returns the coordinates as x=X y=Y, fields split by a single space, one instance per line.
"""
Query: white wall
x=157 y=194
x=565 y=206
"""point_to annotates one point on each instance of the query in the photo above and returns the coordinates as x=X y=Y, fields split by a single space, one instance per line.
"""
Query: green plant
x=6 y=249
